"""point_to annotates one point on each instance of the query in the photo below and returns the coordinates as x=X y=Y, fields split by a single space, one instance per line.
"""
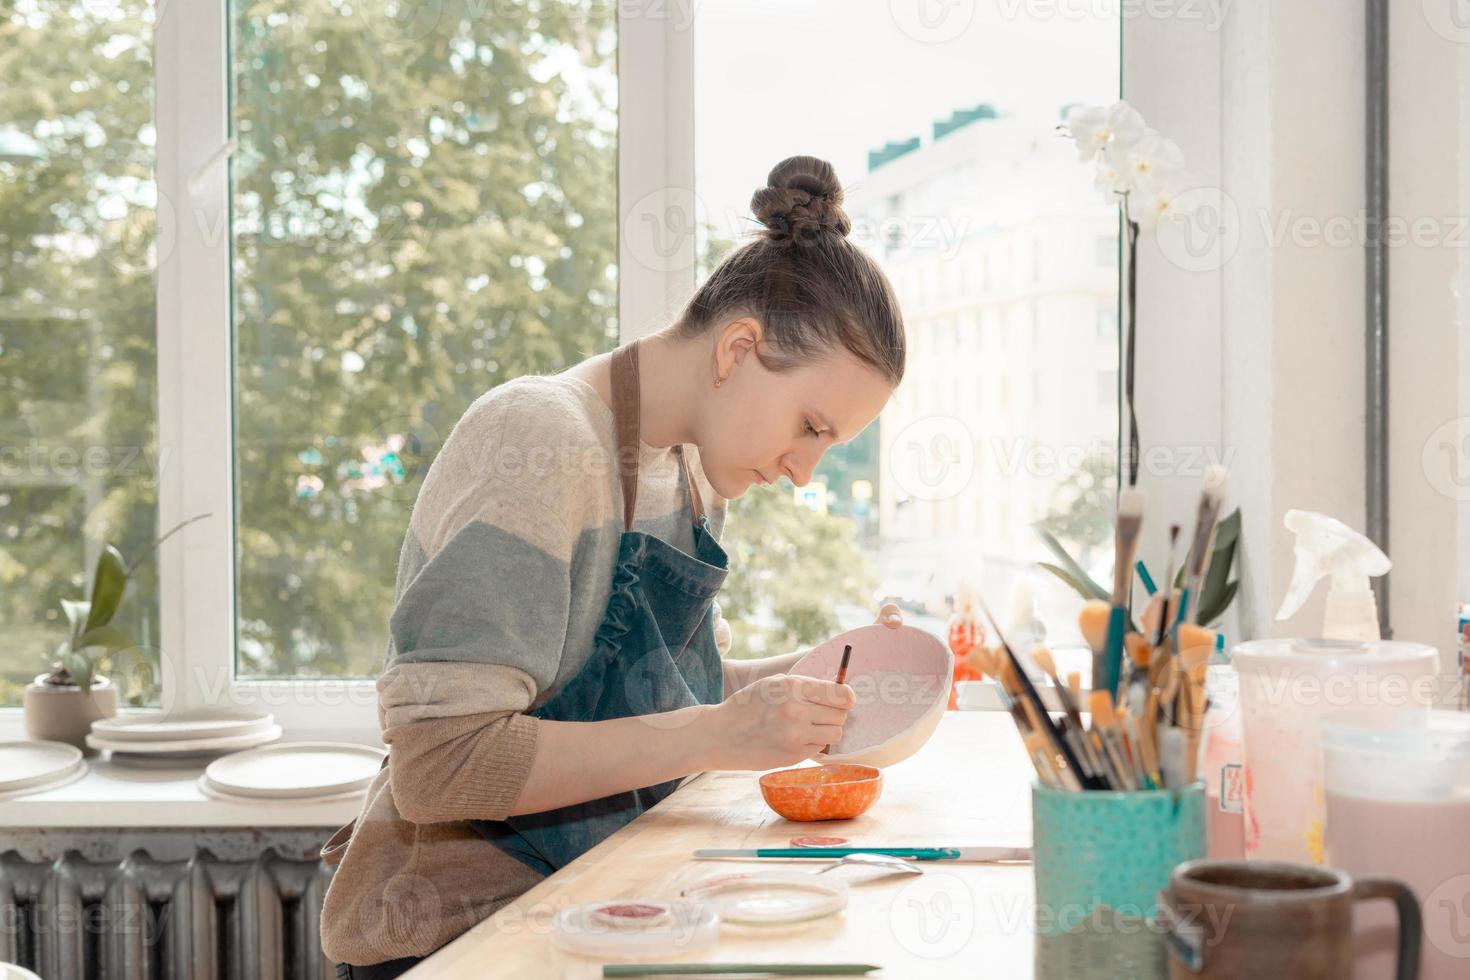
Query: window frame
x=195 y=409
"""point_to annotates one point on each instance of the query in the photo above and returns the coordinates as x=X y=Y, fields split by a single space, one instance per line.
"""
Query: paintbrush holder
x=1109 y=849
x=1100 y=859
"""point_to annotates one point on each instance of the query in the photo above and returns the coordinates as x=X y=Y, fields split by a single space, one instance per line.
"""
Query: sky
x=835 y=78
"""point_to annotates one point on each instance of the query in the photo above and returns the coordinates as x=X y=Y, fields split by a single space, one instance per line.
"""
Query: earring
x=719 y=381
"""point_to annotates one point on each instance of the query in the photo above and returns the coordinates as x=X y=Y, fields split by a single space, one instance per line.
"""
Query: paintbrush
x=841 y=676
x=1125 y=547
x=1075 y=730
x=1104 y=722
x=1033 y=698
x=1212 y=491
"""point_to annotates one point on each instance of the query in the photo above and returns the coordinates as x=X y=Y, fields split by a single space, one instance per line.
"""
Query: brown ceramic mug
x=1266 y=918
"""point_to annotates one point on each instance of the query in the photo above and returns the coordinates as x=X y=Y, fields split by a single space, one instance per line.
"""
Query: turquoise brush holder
x=1093 y=849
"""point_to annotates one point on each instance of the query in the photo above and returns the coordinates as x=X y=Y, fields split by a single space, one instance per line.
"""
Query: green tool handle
x=769 y=969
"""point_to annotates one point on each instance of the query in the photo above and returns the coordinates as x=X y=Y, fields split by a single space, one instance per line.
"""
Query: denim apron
x=654 y=651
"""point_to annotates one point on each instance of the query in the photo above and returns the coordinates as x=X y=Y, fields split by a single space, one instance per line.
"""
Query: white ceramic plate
x=9 y=971
x=181 y=727
x=214 y=793
x=293 y=770
x=770 y=897
x=229 y=743
x=692 y=929
x=35 y=763
x=65 y=779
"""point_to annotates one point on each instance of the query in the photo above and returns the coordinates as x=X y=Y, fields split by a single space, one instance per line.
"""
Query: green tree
x=423 y=207
x=790 y=568
x=1083 y=506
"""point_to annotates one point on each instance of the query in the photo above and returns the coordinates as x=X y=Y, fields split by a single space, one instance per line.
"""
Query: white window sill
x=112 y=795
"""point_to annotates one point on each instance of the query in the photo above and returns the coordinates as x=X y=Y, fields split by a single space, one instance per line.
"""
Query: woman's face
x=760 y=425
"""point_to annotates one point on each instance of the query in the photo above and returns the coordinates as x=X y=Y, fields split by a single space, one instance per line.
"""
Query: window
x=79 y=453
x=255 y=261
x=969 y=178
x=420 y=212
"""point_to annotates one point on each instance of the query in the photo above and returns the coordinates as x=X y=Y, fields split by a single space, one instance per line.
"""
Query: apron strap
x=625 y=394
x=694 y=499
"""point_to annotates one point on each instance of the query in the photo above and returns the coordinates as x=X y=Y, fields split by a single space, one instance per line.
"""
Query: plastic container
x=1287 y=687
x=1223 y=766
x=1398 y=804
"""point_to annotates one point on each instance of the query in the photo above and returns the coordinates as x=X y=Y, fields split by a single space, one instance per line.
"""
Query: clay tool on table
x=1038 y=716
x=1130 y=520
x=841 y=676
x=738 y=969
x=982 y=854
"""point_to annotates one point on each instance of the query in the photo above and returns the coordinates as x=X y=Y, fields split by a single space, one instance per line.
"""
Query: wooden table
x=969 y=785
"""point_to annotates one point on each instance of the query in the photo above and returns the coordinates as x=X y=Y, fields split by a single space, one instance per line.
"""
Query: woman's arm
x=576 y=761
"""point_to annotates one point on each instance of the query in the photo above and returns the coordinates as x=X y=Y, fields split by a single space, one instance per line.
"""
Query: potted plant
x=62 y=704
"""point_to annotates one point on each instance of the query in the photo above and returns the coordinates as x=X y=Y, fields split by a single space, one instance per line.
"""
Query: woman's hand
x=890 y=615
x=776 y=721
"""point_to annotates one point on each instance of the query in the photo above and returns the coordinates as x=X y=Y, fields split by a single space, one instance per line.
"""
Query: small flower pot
x=64 y=712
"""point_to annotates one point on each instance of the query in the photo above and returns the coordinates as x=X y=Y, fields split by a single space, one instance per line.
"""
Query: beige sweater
x=503 y=579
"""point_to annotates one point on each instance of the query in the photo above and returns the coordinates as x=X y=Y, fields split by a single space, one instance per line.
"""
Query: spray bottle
x=1327 y=546
x=1288 y=686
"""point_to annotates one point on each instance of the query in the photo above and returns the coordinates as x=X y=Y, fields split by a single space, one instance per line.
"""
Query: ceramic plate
x=65 y=779
x=296 y=769
x=214 y=793
x=180 y=727
x=183 y=746
x=769 y=898
x=33 y=763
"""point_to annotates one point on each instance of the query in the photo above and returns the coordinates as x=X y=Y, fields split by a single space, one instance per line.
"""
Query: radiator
x=143 y=919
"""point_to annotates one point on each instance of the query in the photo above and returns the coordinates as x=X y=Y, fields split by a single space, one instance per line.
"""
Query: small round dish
x=682 y=928
x=764 y=898
x=836 y=791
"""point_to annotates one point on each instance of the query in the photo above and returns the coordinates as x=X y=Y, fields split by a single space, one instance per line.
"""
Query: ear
x=738 y=338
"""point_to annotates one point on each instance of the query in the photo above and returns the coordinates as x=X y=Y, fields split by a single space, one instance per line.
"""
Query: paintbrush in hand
x=841 y=676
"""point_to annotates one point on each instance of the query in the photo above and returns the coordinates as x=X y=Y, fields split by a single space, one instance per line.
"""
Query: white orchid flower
x=1112 y=177
x=1153 y=159
x=1164 y=197
x=1096 y=128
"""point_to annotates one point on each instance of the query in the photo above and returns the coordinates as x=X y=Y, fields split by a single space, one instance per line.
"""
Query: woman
x=552 y=662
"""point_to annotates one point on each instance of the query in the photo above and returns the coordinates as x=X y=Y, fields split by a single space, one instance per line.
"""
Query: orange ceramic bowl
x=838 y=791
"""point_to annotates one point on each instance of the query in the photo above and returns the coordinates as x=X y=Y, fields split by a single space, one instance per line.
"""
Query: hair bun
x=801 y=200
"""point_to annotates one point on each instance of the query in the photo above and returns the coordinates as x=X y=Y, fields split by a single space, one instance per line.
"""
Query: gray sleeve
x=488 y=596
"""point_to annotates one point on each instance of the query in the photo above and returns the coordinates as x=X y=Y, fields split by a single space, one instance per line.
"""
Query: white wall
x=1269 y=109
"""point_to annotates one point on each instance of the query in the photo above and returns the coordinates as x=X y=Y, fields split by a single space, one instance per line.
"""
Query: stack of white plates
x=299 y=772
x=181 y=738
x=32 y=767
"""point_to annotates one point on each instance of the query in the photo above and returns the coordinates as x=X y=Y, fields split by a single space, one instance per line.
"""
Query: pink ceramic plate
x=901 y=678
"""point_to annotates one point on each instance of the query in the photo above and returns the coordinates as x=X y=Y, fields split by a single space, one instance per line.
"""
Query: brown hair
x=811 y=288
